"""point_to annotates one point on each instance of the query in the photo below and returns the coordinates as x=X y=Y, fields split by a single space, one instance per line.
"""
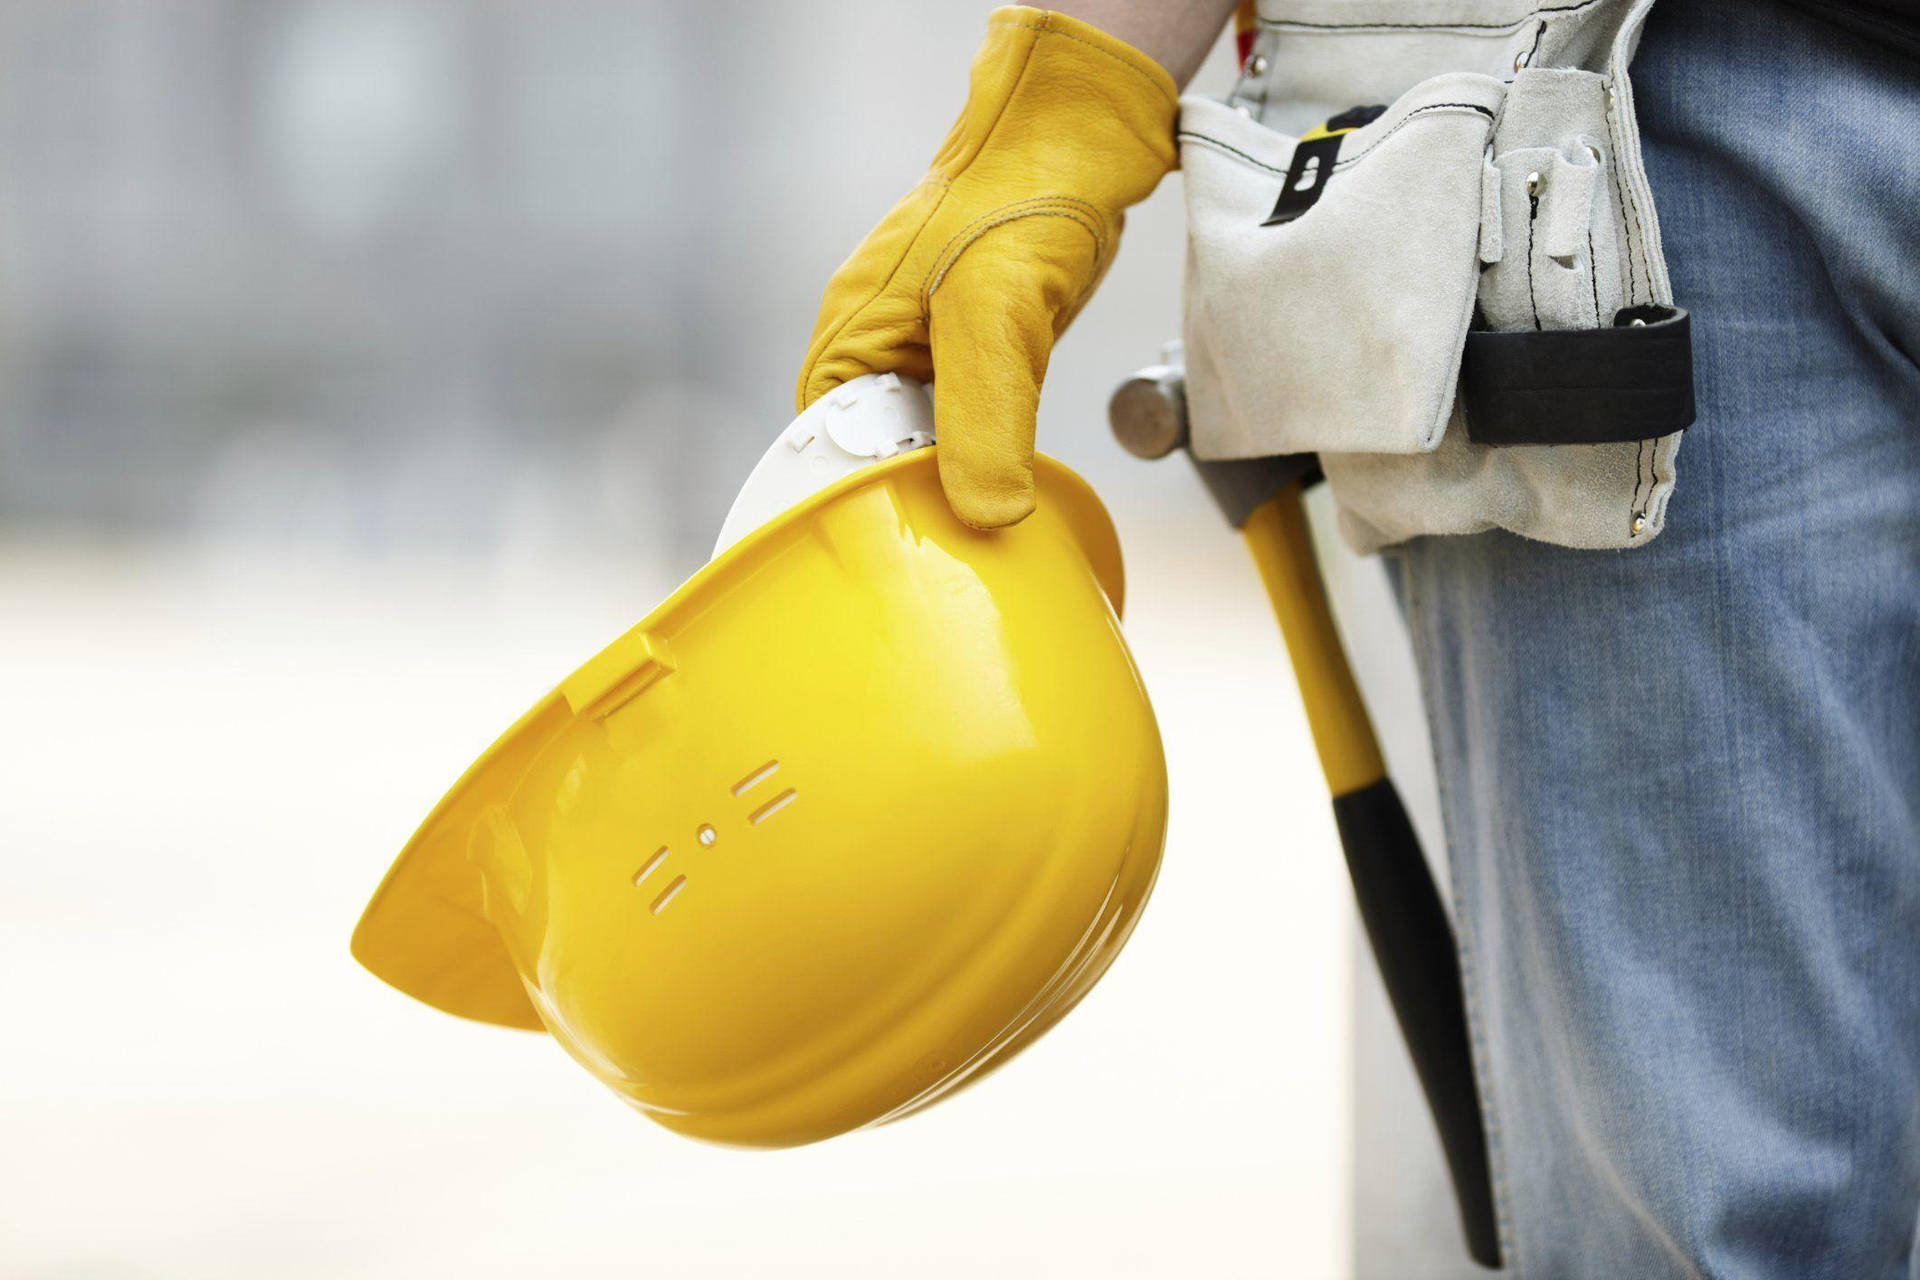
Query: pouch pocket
x=1328 y=302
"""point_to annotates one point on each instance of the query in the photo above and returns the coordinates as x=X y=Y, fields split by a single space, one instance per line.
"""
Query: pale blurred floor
x=211 y=753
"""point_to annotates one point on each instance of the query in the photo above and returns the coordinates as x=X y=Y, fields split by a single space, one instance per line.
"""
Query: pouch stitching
x=1626 y=209
x=1630 y=224
x=1373 y=146
x=1629 y=210
x=1593 y=274
x=1532 y=301
x=1426 y=26
x=1657 y=501
x=1637 y=506
x=1534 y=48
x=1357 y=157
x=1639 y=450
x=1633 y=267
x=1639 y=234
x=1188 y=136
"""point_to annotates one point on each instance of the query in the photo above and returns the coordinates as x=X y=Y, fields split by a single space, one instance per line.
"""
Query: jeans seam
x=1463 y=948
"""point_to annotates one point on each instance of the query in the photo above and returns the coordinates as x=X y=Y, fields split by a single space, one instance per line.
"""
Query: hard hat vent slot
x=773 y=806
x=757 y=777
x=668 y=894
x=653 y=864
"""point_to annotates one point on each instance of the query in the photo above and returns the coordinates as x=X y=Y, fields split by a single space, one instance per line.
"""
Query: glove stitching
x=1014 y=214
x=1086 y=214
x=943 y=260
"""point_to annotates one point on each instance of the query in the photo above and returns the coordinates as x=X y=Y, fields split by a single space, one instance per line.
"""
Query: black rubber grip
x=1412 y=941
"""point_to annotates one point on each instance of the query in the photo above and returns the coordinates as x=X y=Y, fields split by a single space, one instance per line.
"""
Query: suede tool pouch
x=1331 y=278
x=1577 y=375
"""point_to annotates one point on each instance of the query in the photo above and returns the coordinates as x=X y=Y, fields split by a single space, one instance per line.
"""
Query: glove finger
x=885 y=335
x=992 y=321
x=990 y=350
x=866 y=325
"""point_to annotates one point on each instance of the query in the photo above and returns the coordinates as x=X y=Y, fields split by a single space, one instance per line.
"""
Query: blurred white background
x=364 y=366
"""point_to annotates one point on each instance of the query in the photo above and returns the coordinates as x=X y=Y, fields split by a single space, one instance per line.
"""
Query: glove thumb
x=992 y=321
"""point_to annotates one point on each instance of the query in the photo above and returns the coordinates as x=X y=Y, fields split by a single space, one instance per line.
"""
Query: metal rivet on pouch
x=1257 y=65
x=1594 y=152
x=1519 y=59
x=1533 y=183
x=1639 y=524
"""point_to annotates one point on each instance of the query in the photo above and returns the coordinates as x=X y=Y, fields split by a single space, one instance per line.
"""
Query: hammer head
x=1148 y=415
x=1148 y=412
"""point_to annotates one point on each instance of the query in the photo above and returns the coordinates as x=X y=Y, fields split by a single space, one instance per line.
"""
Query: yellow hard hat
x=851 y=818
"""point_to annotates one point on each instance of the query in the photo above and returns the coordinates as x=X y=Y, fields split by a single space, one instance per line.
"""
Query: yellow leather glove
x=971 y=278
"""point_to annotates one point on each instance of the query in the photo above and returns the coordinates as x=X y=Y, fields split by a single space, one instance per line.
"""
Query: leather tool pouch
x=1456 y=299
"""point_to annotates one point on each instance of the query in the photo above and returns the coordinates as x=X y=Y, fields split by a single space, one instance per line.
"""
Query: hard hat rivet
x=706 y=835
x=1257 y=65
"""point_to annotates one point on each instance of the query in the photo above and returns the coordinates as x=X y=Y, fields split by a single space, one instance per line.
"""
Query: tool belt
x=1423 y=247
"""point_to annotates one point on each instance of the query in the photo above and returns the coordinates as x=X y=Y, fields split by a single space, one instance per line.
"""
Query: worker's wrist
x=1176 y=34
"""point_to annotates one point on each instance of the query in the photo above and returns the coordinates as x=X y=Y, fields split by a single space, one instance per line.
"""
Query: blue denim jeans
x=1682 y=783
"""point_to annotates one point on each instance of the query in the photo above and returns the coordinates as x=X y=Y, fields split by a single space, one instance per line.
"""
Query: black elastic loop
x=1631 y=381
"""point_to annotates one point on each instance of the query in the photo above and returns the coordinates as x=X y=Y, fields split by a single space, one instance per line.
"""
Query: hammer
x=1407 y=925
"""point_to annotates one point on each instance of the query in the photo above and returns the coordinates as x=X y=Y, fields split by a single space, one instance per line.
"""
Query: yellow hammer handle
x=1282 y=548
